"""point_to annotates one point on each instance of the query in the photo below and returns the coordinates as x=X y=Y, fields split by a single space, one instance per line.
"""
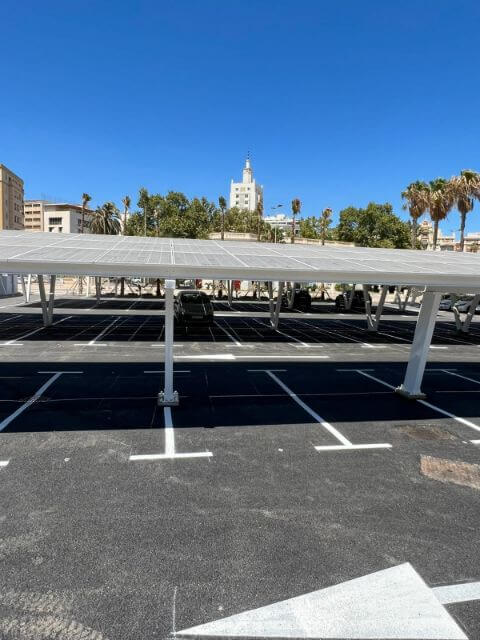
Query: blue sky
x=339 y=103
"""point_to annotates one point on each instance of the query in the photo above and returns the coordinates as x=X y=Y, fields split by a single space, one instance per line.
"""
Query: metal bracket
x=174 y=401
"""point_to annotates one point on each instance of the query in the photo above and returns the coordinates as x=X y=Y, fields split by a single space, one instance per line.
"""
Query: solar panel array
x=177 y=257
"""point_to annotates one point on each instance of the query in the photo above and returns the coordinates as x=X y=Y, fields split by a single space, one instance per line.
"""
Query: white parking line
x=170 y=453
x=14 y=342
x=234 y=340
x=175 y=371
x=18 y=315
x=93 y=342
x=366 y=345
x=424 y=402
x=140 y=326
x=458 y=375
x=282 y=333
x=35 y=397
x=346 y=444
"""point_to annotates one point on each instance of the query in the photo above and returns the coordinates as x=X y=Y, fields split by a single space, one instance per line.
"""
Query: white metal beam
x=275 y=313
x=168 y=397
x=374 y=321
x=411 y=387
x=464 y=325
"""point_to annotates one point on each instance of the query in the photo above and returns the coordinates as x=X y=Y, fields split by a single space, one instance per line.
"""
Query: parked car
x=462 y=306
x=302 y=300
x=193 y=307
x=358 y=301
x=446 y=304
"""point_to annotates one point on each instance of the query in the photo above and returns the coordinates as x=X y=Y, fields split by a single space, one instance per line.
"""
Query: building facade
x=447 y=242
x=247 y=194
x=41 y=215
x=11 y=199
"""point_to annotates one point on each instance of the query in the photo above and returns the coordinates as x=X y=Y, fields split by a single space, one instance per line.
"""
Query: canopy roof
x=77 y=254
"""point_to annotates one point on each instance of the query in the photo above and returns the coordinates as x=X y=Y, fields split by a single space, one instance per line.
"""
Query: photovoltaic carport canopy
x=131 y=256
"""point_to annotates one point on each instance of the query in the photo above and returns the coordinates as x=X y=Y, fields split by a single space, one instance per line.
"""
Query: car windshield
x=194 y=298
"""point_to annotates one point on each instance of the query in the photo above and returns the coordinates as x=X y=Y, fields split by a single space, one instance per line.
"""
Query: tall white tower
x=246 y=194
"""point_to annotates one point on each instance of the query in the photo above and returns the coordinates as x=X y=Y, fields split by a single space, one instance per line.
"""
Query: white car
x=446 y=304
x=462 y=306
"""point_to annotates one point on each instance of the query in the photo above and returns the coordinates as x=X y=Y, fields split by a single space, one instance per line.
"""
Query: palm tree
x=143 y=203
x=417 y=203
x=259 y=213
x=106 y=220
x=296 y=206
x=126 y=208
x=85 y=200
x=222 y=203
x=465 y=188
x=324 y=222
x=440 y=202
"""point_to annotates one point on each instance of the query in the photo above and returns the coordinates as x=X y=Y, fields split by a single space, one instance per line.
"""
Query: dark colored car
x=358 y=301
x=193 y=307
x=302 y=300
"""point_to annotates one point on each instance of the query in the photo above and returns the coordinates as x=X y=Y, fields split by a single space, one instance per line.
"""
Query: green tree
x=465 y=188
x=296 y=207
x=259 y=213
x=324 y=223
x=144 y=203
x=440 y=202
x=416 y=196
x=309 y=227
x=85 y=200
x=374 y=226
x=105 y=220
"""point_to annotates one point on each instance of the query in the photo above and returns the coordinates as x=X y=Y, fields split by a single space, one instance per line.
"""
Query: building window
x=55 y=221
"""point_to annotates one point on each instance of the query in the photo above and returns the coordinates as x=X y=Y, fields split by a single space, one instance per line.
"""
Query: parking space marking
x=366 y=345
x=453 y=373
x=93 y=342
x=345 y=443
x=18 y=315
x=424 y=402
x=282 y=333
x=170 y=453
x=14 y=342
x=234 y=340
x=35 y=397
x=175 y=371
x=140 y=326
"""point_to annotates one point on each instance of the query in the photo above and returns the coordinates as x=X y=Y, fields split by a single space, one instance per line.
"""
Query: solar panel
x=89 y=254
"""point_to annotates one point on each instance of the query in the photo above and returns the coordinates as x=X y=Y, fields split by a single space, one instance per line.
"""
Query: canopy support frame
x=411 y=386
x=168 y=397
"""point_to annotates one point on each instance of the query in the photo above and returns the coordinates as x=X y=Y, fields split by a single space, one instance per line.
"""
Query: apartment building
x=56 y=217
x=11 y=199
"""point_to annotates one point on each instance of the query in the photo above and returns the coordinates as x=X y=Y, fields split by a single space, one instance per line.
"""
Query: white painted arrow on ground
x=391 y=604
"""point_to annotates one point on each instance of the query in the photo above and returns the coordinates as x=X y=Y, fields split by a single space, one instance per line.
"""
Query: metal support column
x=374 y=321
x=43 y=299
x=168 y=397
x=349 y=300
x=275 y=317
x=270 y=300
x=51 y=299
x=230 y=291
x=98 y=288
x=291 y=299
x=464 y=326
x=411 y=387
